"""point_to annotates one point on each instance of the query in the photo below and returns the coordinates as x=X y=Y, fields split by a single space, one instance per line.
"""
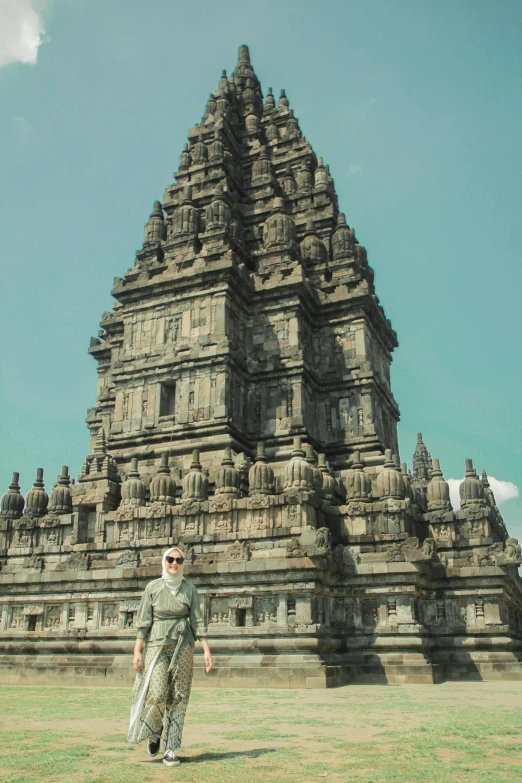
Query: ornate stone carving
x=12 y=506
x=411 y=551
x=163 y=487
x=129 y=559
x=37 y=498
x=471 y=490
x=228 y=479
x=34 y=562
x=389 y=481
x=257 y=501
x=299 y=474
x=261 y=475
x=358 y=485
x=76 y=561
x=60 y=501
x=133 y=489
x=508 y=554
x=195 y=483
x=219 y=504
x=437 y=491
x=239 y=550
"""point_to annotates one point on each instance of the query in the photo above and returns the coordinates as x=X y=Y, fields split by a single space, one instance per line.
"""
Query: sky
x=416 y=107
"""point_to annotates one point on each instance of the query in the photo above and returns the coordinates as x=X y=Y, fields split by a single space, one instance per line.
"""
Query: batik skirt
x=161 y=693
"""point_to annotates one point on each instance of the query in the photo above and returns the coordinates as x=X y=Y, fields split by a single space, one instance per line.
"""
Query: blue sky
x=417 y=108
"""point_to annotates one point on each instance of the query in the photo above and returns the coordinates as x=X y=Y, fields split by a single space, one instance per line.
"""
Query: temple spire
x=421 y=461
x=243 y=55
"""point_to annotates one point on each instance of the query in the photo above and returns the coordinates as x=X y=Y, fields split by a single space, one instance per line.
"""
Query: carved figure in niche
x=323 y=539
x=259 y=522
x=52 y=620
x=370 y=615
x=360 y=417
x=477 y=528
x=110 y=616
x=154 y=528
x=129 y=621
x=294 y=514
x=51 y=536
x=349 y=614
x=444 y=531
x=17 y=620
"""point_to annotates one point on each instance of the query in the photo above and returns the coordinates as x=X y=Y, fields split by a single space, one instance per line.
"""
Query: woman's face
x=174 y=569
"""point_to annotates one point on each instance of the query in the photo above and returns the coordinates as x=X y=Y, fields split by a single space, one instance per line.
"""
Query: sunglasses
x=178 y=560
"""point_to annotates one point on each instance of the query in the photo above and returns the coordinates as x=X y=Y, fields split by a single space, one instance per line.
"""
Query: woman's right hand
x=137 y=661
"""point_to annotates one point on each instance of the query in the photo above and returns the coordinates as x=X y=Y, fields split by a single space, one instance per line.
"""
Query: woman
x=169 y=621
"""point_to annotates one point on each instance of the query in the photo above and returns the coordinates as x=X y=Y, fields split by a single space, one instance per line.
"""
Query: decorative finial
x=157 y=210
x=244 y=55
x=283 y=101
x=436 y=472
x=227 y=457
x=164 y=464
x=388 y=459
x=297 y=451
x=260 y=456
x=356 y=461
x=64 y=478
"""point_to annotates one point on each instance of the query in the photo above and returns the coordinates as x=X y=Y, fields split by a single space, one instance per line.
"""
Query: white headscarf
x=172 y=582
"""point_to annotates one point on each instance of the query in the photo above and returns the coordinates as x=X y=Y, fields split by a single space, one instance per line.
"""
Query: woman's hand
x=137 y=661
x=209 y=663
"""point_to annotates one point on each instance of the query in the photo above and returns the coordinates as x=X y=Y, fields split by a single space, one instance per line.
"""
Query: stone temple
x=244 y=411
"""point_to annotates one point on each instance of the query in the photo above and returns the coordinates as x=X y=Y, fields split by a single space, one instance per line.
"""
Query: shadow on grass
x=214 y=755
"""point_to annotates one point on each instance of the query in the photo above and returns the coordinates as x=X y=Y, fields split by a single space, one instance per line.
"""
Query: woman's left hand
x=208 y=661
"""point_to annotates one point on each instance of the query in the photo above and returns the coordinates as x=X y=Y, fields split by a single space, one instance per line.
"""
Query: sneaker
x=154 y=746
x=170 y=759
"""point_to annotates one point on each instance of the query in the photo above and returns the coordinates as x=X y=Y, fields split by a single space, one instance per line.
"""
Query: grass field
x=458 y=732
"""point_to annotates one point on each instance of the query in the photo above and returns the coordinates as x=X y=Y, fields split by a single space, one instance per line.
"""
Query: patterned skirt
x=161 y=693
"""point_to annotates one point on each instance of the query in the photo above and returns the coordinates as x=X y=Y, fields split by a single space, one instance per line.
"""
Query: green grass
x=359 y=734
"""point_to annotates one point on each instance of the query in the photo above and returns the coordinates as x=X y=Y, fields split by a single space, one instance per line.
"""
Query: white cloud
x=503 y=490
x=21 y=31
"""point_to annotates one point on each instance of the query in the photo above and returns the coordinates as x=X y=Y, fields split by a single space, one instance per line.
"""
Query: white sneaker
x=170 y=759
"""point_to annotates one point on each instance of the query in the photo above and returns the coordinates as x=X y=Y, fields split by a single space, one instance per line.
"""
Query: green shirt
x=163 y=618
